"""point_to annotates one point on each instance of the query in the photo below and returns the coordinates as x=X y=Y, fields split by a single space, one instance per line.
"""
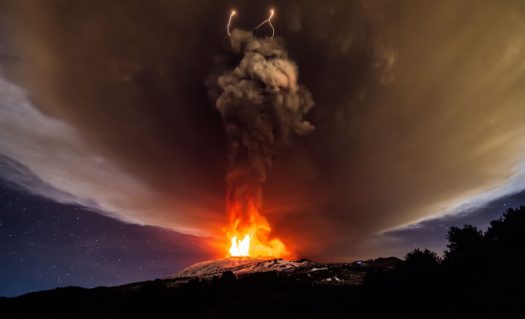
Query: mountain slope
x=230 y=287
x=241 y=265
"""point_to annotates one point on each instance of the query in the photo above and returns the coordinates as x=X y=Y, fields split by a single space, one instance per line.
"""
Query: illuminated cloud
x=47 y=157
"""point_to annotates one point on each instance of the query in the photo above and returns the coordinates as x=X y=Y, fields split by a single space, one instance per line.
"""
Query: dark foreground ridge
x=482 y=275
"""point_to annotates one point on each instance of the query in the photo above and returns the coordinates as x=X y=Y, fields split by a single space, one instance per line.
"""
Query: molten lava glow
x=240 y=247
x=249 y=232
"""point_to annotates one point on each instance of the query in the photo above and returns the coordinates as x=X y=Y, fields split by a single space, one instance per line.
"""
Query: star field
x=44 y=244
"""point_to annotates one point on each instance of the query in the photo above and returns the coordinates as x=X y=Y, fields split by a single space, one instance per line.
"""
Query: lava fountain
x=249 y=230
x=262 y=106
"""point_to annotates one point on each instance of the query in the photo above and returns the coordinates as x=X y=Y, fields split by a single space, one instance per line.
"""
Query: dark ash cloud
x=420 y=109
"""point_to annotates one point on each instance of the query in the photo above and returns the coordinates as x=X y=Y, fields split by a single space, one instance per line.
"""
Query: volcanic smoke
x=262 y=106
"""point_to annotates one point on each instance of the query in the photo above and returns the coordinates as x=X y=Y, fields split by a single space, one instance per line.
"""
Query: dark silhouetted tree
x=507 y=233
x=466 y=246
x=422 y=261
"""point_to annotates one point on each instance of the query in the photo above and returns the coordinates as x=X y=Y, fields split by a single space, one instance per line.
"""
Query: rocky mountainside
x=241 y=265
x=228 y=287
x=300 y=269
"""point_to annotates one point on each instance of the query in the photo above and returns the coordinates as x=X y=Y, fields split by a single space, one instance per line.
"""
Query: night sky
x=113 y=153
x=44 y=245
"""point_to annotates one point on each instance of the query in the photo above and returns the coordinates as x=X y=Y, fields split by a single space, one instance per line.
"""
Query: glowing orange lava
x=249 y=231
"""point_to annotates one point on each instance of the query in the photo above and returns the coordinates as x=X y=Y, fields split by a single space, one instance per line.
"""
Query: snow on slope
x=240 y=266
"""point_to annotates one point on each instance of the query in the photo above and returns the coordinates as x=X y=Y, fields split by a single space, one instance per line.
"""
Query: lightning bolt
x=269 y=21
x=232 y=14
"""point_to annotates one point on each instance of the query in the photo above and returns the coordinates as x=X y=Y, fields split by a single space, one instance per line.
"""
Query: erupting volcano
x=262 y=106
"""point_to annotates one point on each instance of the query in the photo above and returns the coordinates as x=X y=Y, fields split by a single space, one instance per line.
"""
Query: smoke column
x=262 y=106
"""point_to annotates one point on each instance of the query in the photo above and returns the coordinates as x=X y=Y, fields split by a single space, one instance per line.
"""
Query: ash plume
x=261 y=105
